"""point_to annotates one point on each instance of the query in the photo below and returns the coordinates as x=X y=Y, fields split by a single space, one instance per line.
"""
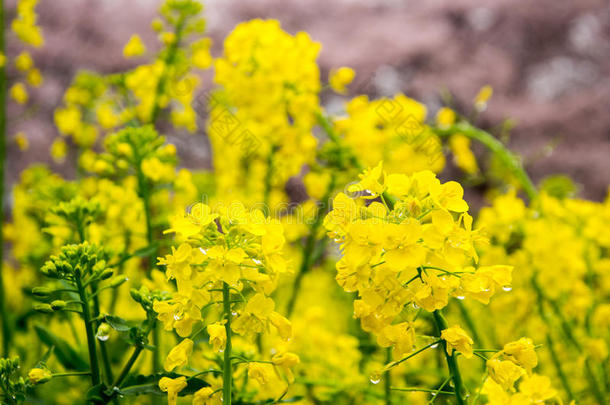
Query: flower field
x=325 y=258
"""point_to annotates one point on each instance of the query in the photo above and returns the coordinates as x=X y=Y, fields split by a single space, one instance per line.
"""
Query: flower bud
x=39 y=376
x=117 y=281
x=45 y=308
x=58 y=305
x=42 y=291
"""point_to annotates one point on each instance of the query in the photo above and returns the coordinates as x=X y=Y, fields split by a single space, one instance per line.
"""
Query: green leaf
x=117 y=323
x=64 y=351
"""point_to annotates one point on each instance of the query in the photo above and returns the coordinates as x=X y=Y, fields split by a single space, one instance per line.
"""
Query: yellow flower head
x=522 y=353
x=218 y=335
x=134 y=47
x=39 y=375
x=178 y=356
x=459 y=340
x=19 y=93
x=340 y=78
x=172 y=386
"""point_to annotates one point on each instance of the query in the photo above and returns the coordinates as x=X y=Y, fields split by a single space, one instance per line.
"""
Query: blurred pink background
x=548 y=62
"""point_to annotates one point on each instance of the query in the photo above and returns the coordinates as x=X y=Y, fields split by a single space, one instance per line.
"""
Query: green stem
x=227 y=374
x=549 y=339
x=103 y=347
x=388 y=378
x=310 y=244
x=502 y=152
x=169 y=59
x=75 y=373
x=6 y=323
x=452 y=363
x=470 y=323
x=127 y=367
x=95 y=368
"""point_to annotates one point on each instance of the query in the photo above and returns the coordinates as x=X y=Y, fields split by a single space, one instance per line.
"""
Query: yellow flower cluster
x=421 y=250
x=260 y=142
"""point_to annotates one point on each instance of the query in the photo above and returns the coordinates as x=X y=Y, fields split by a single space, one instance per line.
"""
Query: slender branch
x=227 y=374
x=498 y=148
x=95 y=368
x=388 y=378
x=452 y=363
x=310 y=244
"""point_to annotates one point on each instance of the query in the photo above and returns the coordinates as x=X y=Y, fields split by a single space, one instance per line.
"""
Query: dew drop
x=434 y=346
x=177 y=317
x=221 y=350
x=415 y=306
x=102 y=337
x=460 y=297
x=375 y=378
x=234 y=313
x=507 y=288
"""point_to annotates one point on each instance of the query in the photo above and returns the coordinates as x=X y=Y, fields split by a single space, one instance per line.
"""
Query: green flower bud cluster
x=13 y=387
x=78 y=211
x=80 y=260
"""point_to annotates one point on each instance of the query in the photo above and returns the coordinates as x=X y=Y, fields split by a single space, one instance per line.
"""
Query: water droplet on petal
x=507 y=288
x=460 y=297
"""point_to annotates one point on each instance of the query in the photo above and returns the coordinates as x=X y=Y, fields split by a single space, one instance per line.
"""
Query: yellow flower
x=172 y=386
x=522 y=353
x=445 y=117
x=134 y=47
x=39 y=375
x=459 y=340
x=193 y=222
x=201 y=53
x=483 y=96
x=178 y=356
x=23 y=62
x=218 y=335
x=372 y=181
x=504 y=372
x=19 y=93
x=203 y=396
x=463 y=156
x=34 y=78
x=537 y=388
x=286 y=361
x=340 y=78
x=59 y=149
x=597 y=349
x=22 y=141
x=261 y=372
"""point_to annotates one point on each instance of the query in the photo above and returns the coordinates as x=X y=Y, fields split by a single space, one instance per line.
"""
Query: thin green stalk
x=95 y=368
x=388 y=378
x=452 y=363
x=310 y=244
x=72 y=374
x=169 y=59
x=227 y=373
x=6 y=322
x=103 y=347
x=502 y=152
x=551 y=344
x=470 y=323
x=127 y=367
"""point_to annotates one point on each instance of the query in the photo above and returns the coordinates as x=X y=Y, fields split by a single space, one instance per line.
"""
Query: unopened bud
x=45 y=308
